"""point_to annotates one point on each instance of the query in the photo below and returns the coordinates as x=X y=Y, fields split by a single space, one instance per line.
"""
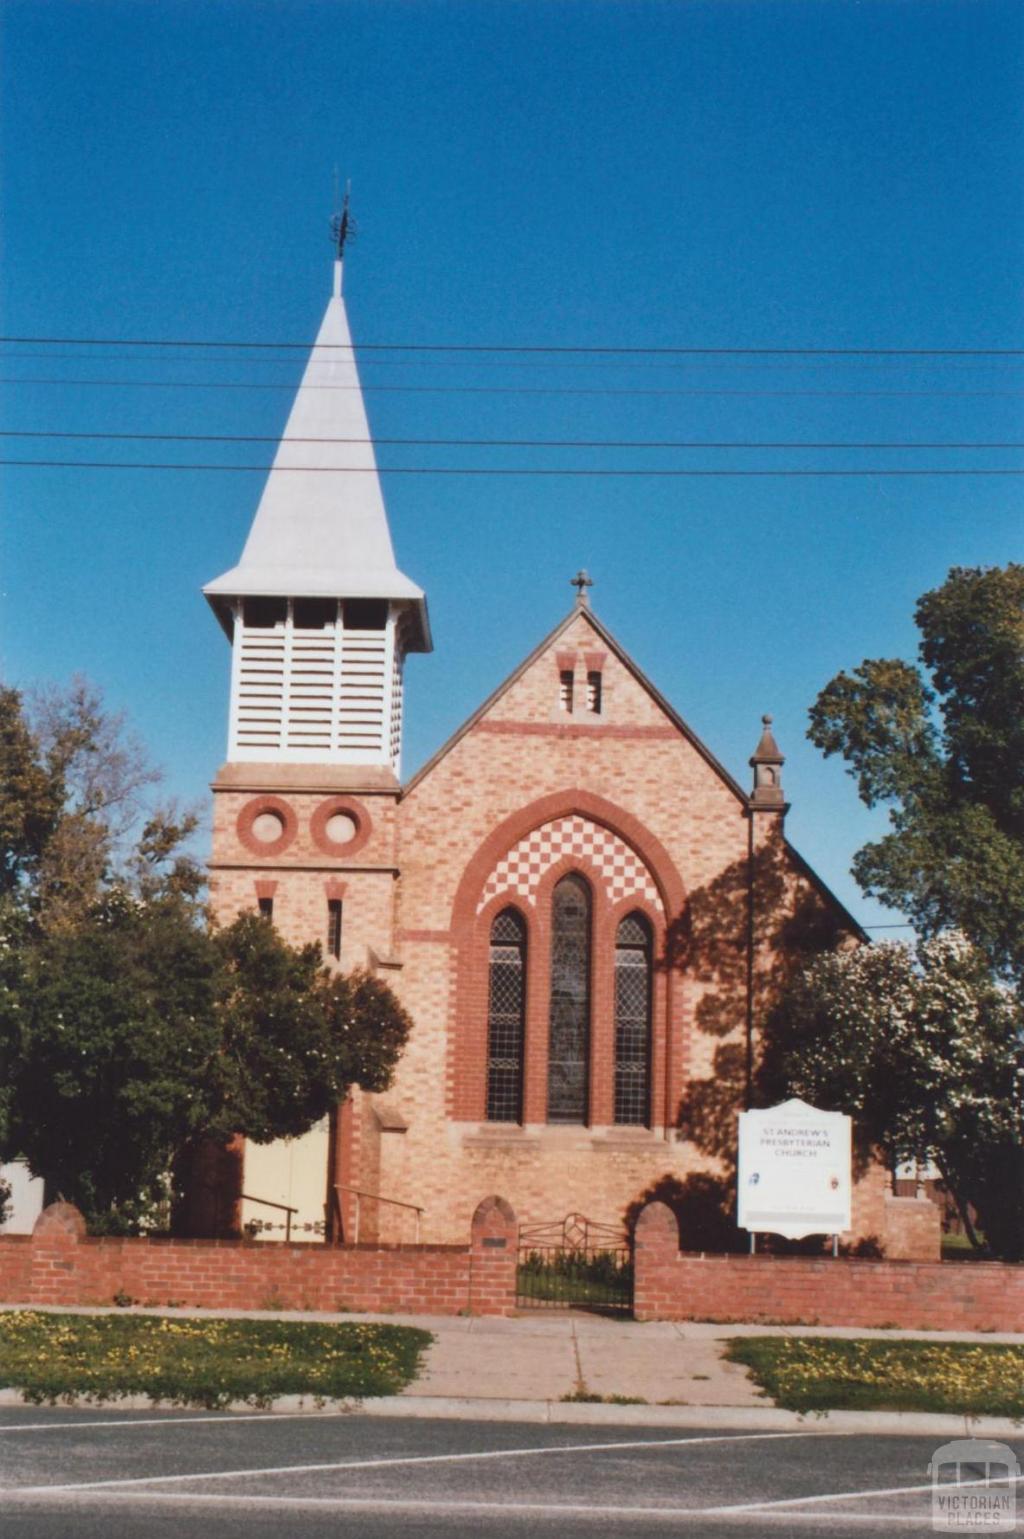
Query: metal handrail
x=283 y=1206
x=393 y=1202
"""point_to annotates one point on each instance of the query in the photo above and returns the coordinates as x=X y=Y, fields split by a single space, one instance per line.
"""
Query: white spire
x=319 y=532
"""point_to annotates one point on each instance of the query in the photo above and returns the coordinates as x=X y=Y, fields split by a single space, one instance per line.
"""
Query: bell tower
x=319 y=617
x=320 y=621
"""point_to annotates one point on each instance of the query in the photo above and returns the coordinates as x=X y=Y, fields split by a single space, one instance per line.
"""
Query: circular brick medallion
x=266 y=825
x=340 y=826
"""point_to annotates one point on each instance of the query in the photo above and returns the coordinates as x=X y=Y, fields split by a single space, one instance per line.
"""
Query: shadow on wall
x=704 y=1207
x=739 y=939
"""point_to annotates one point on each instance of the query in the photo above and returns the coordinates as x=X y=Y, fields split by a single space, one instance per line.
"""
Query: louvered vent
x=317 y=681
x=260 y=686
x=311 y=681
x=361 y=696
x=396 y=694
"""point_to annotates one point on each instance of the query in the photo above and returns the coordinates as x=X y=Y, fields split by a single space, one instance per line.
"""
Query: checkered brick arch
x=521 y=870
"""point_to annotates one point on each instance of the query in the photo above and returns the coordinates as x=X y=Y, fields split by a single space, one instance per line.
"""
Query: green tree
x=294 y=1036
x=925 y=1050
x=129 y=1029
x=941 y=744
x=129 y=1038
x=108 y=1035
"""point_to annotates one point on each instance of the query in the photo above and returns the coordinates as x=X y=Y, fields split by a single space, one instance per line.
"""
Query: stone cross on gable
x=581 y=582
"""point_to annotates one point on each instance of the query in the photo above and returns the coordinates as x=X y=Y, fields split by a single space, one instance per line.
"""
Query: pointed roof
x=319 y=532
x=582 y=606
x=767 y=750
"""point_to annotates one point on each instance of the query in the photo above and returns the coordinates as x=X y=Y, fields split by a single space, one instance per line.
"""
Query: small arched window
x=632 y=1020
x=505 y=1015
x=569 y=1030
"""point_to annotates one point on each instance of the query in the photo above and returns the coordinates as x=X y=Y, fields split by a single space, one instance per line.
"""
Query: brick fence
x=60 y=1264
x=916 y=1295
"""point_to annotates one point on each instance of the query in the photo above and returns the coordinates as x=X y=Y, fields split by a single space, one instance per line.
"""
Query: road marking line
x=407 y=1459
x=559 y=1510
x=848 y=1496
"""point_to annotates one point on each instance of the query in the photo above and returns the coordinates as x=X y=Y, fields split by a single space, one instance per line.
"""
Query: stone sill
x=552 y=1137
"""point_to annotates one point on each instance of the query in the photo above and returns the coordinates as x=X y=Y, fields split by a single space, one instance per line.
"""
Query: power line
x=522 y=443
x=467 y=470
x=571 y=390
x=551 y=349
x=107 y=356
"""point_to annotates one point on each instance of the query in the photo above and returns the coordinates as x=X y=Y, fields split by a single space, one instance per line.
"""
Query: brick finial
x=493 y=1254
x=61 y=1220
x=657 y=1229
x=766 y=761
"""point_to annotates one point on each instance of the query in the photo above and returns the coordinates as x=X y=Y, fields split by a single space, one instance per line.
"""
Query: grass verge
x=814 y=1373
x=55 y=1358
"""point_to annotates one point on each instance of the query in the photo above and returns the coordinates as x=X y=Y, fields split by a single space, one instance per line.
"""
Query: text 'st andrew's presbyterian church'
x=582 y=911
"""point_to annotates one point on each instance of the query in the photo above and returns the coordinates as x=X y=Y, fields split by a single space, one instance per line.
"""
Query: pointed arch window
x=569 y=1029
x=505 y=1017
x=633 y=951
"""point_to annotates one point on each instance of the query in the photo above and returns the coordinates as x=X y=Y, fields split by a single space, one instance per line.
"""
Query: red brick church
x=582 y=910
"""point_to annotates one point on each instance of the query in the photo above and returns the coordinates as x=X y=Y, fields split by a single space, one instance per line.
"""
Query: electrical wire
x=523 y=443
x=466 y=470
x=546 y=390
x=531 y=349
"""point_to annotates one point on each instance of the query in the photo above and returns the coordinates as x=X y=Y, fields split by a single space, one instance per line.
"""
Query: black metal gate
x=574 y=1264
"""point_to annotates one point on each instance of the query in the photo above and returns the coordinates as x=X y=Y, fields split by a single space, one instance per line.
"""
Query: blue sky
x=726 y=174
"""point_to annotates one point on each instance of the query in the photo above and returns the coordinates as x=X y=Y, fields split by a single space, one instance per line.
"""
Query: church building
x=581 y=909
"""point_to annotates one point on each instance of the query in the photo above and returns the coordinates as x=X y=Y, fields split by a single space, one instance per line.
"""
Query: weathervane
x=581 y=582
x=343 y=226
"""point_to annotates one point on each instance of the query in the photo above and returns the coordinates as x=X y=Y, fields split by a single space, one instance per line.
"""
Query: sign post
x=795 y=1173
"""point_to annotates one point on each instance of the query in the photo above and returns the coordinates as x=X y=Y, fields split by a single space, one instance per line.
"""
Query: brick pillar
x=913 y=1229
x=55 y=1238
x=493 y=1245
x=656 y=1242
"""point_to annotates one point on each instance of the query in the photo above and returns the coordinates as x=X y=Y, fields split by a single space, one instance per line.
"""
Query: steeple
x=319 y=614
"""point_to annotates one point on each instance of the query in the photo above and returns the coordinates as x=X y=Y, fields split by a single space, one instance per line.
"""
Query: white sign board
x=795 y=1174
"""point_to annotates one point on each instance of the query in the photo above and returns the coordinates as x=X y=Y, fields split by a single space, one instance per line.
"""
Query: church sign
x=794 y=1173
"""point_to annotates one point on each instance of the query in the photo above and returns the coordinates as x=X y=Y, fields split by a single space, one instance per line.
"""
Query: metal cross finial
x=343 y=225
x=581 y=582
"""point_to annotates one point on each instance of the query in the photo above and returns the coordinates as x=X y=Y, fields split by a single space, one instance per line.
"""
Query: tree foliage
x=925 y=1050
x=75 y=821
x=130 y=1028
x=942 y=745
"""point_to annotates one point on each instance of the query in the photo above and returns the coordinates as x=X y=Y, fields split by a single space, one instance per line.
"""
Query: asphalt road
x=175 y=1474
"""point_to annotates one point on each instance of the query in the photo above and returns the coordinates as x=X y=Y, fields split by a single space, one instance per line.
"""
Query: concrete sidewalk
x=541 y=1357
x=548 y=1356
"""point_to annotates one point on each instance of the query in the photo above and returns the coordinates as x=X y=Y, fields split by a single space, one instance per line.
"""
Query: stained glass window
x=632 y=1019
x=505 y=1018
x=568 y=1042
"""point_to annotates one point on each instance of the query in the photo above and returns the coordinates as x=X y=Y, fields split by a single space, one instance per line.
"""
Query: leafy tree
x=294 y=1036
x=942 y=745
x=31 y=796
x=926 y=1052
x=130 y=1030
x=132 y=1036
x=108 y=1035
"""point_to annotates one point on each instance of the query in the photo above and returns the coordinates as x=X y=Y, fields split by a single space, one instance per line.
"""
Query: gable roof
x=578 y=611
x=674 y=717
